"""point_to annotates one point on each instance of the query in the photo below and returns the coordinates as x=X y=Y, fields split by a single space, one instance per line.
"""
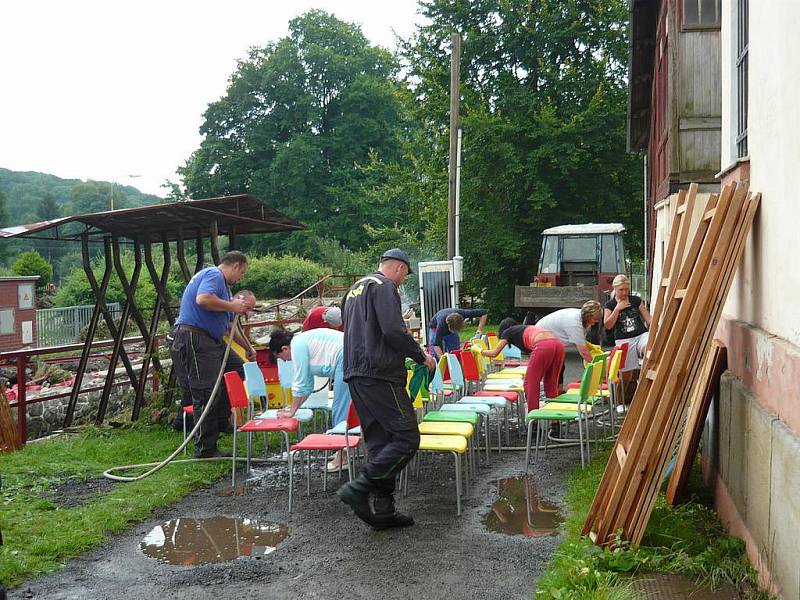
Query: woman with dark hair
x=546 y=357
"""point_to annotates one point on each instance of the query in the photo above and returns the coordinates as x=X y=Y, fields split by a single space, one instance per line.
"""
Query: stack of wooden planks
x=697 y=275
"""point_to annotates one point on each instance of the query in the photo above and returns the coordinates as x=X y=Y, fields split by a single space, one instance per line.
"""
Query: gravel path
x=328 y=553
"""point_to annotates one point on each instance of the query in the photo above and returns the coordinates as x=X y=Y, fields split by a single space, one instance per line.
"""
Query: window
x=549 y=255
x=701 y=12
x=742 y=46
x=7 y=321
x=609 y=256
x=580 y=249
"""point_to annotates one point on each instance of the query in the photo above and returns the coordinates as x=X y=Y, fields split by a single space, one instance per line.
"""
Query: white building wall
x=767 y=287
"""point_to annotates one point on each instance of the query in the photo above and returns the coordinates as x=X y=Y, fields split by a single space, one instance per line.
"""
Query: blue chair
x=456 y=375
x=257 y=388
x=512 y=352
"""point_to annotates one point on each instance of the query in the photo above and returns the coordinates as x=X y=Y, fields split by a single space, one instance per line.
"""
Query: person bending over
x=446 y=324
x=314 y=353
x=546 y=357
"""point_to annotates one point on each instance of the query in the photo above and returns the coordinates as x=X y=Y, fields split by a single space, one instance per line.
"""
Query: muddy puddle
x=213 y=540
x=520 y=510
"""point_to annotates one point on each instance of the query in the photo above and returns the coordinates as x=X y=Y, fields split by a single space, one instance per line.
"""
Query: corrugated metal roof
x=240 y=214
x=585 y=229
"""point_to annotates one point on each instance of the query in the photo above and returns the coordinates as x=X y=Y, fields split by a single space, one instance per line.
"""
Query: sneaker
x=332 y=467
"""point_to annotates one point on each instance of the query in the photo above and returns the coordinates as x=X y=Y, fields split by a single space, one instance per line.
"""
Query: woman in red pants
x=546 y=357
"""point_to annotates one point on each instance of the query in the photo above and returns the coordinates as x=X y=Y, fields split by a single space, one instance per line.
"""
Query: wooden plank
x=708 y=215
x=621 y=454
x=651 y=374
x=702 y=393
x=680 y=293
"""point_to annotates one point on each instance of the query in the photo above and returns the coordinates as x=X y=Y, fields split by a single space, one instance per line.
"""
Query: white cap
x=333 y=316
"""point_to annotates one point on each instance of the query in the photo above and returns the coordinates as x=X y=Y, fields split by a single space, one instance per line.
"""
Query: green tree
x=48 y=208
x=32 y=263
x=543 y=114
x=95 y=196
x=4 y=220
x=299 y=119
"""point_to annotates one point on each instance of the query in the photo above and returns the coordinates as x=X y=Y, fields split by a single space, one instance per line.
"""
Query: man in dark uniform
x=205 y=317
x=376 y=344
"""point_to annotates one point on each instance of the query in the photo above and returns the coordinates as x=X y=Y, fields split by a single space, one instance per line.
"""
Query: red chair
x=239 y=400
x=469 y=367
x=320 y=442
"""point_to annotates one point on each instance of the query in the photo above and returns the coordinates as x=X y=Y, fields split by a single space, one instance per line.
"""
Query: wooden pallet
x=704 y=390
x=9 y=440
x=698 y=271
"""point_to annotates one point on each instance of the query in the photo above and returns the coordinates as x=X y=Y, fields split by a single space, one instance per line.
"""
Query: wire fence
x=57 y=326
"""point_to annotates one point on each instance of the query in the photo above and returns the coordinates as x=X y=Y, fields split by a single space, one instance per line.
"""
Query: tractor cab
x=581 y=255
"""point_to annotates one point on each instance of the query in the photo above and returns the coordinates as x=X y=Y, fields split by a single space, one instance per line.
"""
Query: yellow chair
x=493 y=342
x=453 y=444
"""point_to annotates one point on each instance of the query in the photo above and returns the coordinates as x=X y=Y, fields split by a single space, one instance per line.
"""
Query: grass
x=687 y=539
x=39 y=536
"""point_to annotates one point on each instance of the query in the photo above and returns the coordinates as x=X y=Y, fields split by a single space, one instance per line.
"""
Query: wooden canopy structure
x=142 y=228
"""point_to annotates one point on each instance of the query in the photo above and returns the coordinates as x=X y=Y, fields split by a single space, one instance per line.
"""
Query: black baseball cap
x=397 y=254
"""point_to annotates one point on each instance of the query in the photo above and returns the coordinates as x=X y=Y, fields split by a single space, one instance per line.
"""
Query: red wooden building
x=674 y=106
x=17 y=312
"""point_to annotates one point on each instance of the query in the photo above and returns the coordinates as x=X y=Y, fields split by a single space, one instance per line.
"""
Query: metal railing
x=57 y=326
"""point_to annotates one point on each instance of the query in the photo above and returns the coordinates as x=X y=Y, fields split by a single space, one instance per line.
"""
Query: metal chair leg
x=528 y=444
x=291 y=477
x=457 y=460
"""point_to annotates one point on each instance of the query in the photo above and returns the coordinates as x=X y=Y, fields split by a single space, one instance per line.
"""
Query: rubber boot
x=356 y=495
x=386 y=515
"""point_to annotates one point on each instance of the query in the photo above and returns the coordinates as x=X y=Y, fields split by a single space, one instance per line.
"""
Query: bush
x=32 y=263
x=280 y=277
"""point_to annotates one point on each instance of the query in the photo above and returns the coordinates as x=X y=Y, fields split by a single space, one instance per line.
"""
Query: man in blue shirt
x=206 y=313
x=446 y=324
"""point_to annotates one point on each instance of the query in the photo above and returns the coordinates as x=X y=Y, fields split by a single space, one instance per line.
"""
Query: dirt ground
x=328 y=553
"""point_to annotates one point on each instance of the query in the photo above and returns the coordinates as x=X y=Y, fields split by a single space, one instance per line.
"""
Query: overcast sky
x=108 y=89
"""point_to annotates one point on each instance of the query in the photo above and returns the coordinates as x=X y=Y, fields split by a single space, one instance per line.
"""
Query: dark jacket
x=376 y=341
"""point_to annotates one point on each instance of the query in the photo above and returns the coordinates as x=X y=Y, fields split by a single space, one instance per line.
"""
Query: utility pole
x=455 y=124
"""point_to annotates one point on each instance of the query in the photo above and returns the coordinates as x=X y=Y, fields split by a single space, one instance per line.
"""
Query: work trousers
x=198 y=357
x=545 y=363
x=389 y=428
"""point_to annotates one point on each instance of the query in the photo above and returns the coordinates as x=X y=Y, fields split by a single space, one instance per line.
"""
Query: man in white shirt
x=570 y=325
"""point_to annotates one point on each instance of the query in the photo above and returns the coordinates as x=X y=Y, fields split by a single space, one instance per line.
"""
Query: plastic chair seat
x=188 y=410
x=481 y=409
x=551 y=415
x=505 y=375
x=510 y=396
x=566 y=407
x=505 y=386
x=340 y=427
x=495 y=401
x=304 y=415
x=317 y=402
x=445 y=428
x=573 y=399
x=285 y=424
x=443 y=443
x=320 y=441
x=513 y=363
x=460 y=416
